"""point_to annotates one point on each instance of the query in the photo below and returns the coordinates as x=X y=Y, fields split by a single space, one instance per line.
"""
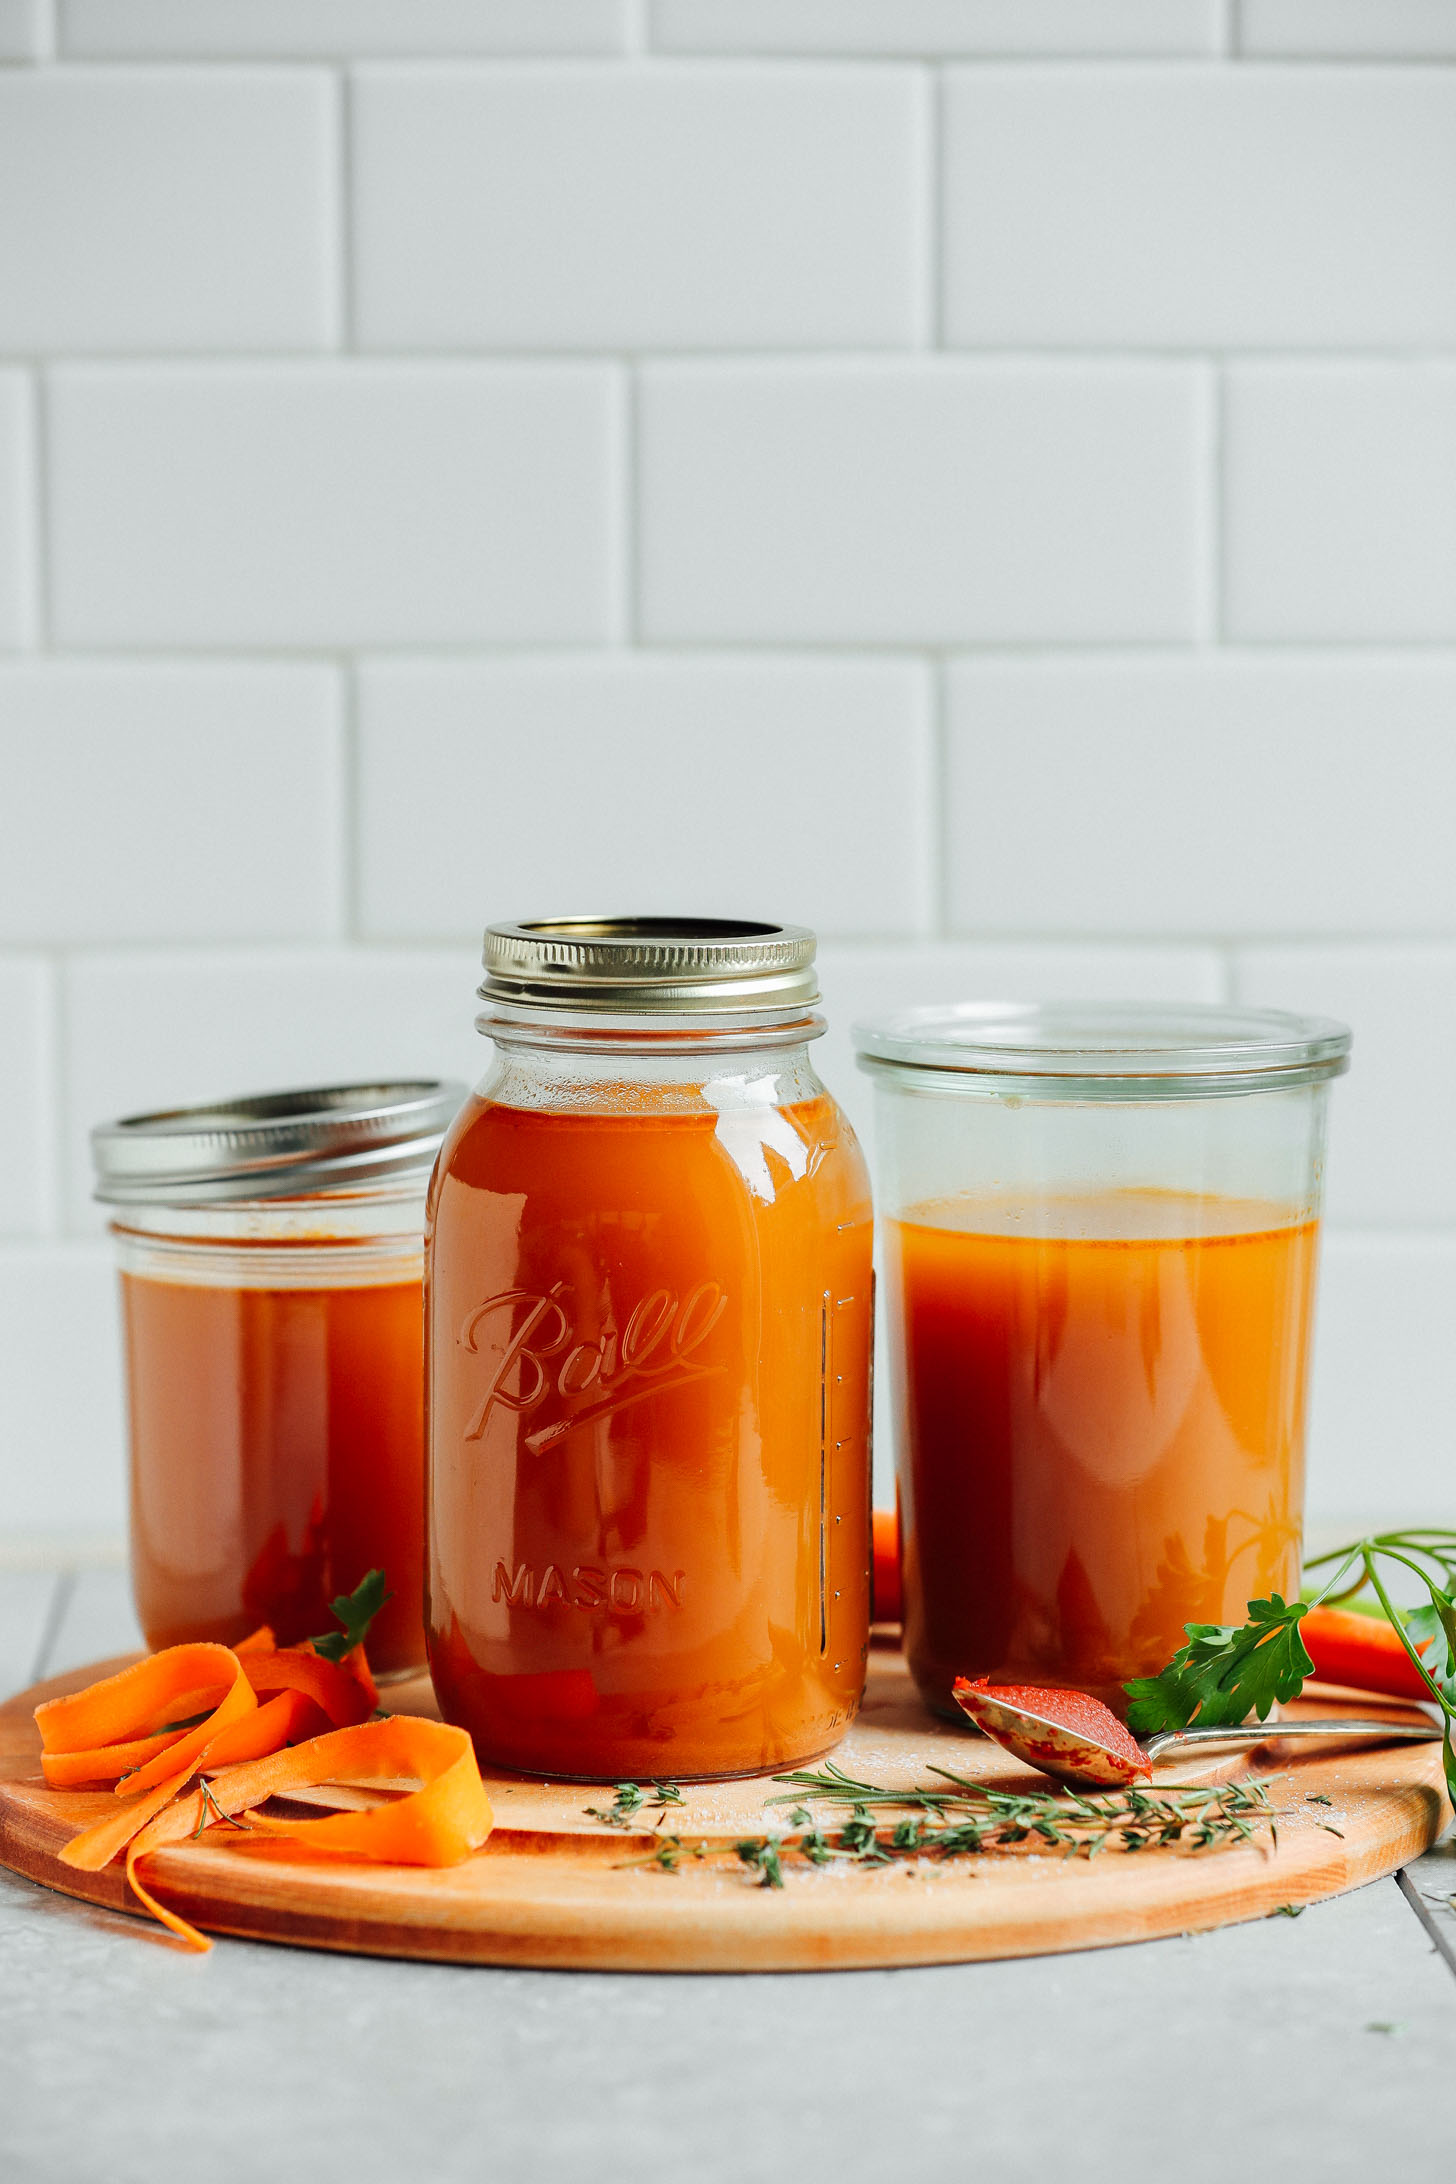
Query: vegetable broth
x=1101 y=1421
x=277 y=1455
x=649 y=1361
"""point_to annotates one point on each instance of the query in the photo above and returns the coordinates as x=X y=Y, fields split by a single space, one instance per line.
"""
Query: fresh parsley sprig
x=355 y=1612
x=1227 y=1672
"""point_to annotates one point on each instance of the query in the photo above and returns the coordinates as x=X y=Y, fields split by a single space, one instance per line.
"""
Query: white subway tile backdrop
x=976 y=475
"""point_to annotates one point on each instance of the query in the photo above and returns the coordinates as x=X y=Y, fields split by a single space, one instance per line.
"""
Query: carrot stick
x=1360 y=1651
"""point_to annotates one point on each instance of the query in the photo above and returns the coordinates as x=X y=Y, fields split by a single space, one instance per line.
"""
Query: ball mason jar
x=649 y=1305
x=271 y=1252
x=1100 y=1229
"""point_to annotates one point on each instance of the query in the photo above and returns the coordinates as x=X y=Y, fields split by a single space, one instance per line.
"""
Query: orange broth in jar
x=648 y=1311
x=1101 y=1411
x=277 y=1439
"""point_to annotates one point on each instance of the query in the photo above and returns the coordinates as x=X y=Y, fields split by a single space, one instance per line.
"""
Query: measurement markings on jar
x=825 y=1309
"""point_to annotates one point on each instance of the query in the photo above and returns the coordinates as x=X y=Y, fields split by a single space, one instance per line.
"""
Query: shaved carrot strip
x=288 y=1719
x=136 y=1701
x=97 y=1845
x=341 y=1696
x=256 y=1734
x=70 y=1770
x=437 y=1825
x=131 y=1708
x=127 y=1730
x=261 y=1730
x=187 y=1751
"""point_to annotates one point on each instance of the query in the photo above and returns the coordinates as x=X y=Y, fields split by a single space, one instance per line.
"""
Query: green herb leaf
x=355 y=1611
x=761 y=1853
x=1226 y=1671
x=1432 y=1631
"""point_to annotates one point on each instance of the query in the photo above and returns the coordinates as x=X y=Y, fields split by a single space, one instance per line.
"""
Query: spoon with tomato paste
x=1075 y=1738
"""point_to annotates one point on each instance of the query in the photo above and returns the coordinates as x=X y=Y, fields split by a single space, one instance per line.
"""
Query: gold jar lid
x=651 y=973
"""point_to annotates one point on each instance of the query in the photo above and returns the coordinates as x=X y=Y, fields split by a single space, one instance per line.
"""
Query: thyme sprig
x=630 y=1803
x=970 y=1816
x=212 y=1811
x=965 y=1819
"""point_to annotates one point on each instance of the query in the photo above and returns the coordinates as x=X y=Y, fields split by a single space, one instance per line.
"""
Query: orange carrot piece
x=184 y=1755
x=334 y=1688
x=97 y=1845
x=133 y=1706
x=259 y=1732
x=72 y=1770
x=1362 y=1651
x=437 y=1825
x=286 y=1719
x=885 y=1589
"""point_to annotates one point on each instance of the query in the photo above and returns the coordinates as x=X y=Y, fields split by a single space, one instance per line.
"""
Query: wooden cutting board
x=554 y=1887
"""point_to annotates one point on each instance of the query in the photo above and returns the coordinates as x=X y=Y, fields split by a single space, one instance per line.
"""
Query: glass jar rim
x=1140 y=1049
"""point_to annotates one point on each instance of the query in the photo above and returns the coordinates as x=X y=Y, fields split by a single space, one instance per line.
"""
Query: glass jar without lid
x=1099 y=1252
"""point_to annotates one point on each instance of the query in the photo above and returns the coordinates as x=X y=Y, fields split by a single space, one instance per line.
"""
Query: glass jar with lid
x=1100 y=1232
x=649 y=1309
x=271 y=1256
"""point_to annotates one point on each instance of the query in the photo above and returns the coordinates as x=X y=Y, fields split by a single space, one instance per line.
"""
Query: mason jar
x=648 y=1308
x=1100 y=1233
x=271 y=1257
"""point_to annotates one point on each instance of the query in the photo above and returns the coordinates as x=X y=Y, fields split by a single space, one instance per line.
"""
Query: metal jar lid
x=652 y=972
x=343 y=1137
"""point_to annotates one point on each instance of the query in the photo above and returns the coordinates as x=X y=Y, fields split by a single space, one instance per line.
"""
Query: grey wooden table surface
x=1331 y=2037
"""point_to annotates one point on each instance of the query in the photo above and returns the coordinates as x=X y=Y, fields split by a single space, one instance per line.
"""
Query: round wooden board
x=553 y=1887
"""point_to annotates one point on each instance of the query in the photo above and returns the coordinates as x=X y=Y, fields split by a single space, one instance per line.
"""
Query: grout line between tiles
x=40 y=528
x=348 y=846
x=50 y=1130
x=937 y=789
x=345 y=328
x=931 y=313
x=625 y=561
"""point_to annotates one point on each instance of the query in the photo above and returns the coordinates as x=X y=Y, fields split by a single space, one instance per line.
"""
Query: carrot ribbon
x=137 y=1731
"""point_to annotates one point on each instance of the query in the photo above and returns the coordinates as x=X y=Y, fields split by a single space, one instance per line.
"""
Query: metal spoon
x=1092 y=1748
